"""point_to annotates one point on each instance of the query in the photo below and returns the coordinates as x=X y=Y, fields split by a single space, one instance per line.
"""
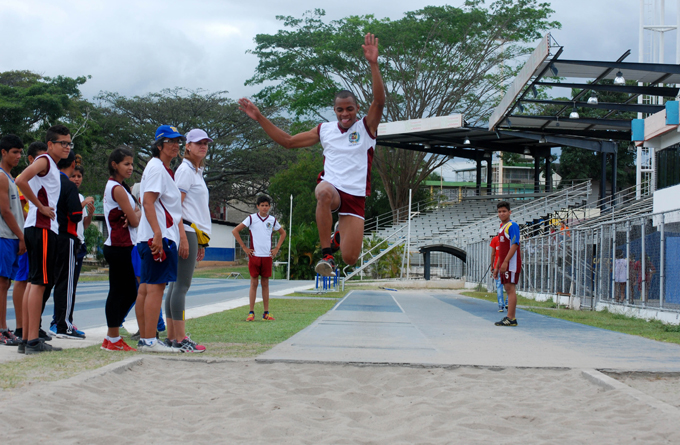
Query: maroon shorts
x=260 y=266
x=509 y=277
x=351 y=205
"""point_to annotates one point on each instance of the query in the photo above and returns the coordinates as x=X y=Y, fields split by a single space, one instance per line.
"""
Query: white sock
x=113 y=339
x=149 y=341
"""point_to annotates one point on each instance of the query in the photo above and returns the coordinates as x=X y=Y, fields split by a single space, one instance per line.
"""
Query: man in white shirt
x=260 y=254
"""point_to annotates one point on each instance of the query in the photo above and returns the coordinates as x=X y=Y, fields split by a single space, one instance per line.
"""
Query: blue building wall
x=219 y=254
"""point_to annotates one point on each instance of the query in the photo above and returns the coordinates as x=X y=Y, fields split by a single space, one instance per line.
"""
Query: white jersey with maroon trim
x=348 y=155
x=120 y=235
x=47 y=189
x=261 y=233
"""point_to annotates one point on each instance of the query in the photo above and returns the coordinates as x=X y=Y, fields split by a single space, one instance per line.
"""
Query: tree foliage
x=240 y=161
x=435 y=62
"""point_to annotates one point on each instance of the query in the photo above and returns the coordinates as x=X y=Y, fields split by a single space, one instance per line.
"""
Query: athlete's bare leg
x=327 y=200
x=351 y=230
x=18 y=299
x=512 y=299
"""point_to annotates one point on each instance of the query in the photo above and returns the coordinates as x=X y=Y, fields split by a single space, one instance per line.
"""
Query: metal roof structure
x=545 y=69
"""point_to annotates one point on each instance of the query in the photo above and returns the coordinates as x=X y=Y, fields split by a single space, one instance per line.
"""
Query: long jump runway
x=422 y=328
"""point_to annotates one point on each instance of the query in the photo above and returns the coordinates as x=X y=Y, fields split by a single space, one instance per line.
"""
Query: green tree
x=240 y=161
x=435 y=62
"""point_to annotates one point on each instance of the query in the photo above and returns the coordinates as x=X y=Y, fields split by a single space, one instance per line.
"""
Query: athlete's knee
x=350 y=258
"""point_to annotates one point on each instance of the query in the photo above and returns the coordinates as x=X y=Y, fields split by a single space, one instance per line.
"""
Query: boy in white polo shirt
x=260 y=254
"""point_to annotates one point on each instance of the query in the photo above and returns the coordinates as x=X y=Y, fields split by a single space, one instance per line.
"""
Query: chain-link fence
x=633 y=262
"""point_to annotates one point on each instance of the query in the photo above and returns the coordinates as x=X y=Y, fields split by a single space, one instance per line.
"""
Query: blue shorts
x=157 y=272
x=136 y=262
x=22 y=274
x=9 y=260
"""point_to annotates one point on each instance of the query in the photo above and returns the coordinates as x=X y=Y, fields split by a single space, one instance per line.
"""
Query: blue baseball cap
x=168 y=131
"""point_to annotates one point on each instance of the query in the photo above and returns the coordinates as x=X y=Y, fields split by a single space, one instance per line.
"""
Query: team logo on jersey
x=269 y=225
x=354 y=138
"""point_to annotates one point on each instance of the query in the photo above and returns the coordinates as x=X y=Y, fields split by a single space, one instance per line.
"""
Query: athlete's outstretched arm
x=374 y=114
x=305 y=139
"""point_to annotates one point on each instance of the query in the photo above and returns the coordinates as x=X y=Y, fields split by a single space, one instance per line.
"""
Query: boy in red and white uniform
x=41 y=185
x=509 y=264
x=261 y=226
x=348 y=146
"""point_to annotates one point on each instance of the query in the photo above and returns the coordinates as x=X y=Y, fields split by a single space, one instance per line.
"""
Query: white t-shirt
x=47 y=189
x=119 y=236
x=348 y=155
x=261 y=233
x=195 y=207
x=158 y=179
x=81 y=224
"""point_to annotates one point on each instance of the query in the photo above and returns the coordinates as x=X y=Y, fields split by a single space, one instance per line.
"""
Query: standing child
x=19 y=294
x=69 y=214
x=41 y=186
x=511 y=257
x=494 y=262
x=122 y=216
x=11 y=228
x=260 y=254
x=88 y=213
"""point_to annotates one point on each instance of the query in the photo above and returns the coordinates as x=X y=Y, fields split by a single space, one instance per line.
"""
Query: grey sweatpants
x=177 y=291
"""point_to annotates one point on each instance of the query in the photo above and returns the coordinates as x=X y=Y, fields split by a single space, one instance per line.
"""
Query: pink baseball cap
x=196 y=135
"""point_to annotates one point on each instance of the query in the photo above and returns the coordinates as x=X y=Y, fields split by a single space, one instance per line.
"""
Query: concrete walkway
x=439 y=328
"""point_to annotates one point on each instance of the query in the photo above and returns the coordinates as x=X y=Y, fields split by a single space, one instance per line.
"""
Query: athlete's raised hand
x=370 y=47
x=249 y=108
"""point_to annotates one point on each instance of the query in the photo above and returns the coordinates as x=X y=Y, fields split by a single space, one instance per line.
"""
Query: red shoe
x=251 y=317
x=120 y=345
x=335 y=241
x=268 y=316
x=326 y=266
x=105 y=344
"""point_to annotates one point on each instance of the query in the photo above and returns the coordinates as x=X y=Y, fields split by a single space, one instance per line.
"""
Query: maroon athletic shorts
x=509 y=277
x=260 y=266
x=351 y=205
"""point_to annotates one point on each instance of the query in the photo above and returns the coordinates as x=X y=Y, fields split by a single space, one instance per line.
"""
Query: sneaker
x=42 y=346
x=326 y=266
x=70 y=334
x=76 y=330
x=135 y=336
x=251 y=317
x=335 y=239
x=157 y=347
x=9 y=339
x=120 y=345
x=53 y=330
x=42 y=335
x=500 y=309
x=268 y=316
x=506 y=322
x=22 y=347
x=168 y=342
x=188 y=345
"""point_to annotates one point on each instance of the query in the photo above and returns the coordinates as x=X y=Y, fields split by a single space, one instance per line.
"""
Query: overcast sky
x=134 y=47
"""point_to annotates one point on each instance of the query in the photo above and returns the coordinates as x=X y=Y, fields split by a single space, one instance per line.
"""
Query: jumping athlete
x=348 y=146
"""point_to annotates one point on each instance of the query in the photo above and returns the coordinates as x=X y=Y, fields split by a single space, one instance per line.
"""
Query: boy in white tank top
x=41 y=185
x=348 y=146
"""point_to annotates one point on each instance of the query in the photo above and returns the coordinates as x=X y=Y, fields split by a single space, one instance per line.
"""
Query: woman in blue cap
x=197 y=225
x=160 y=231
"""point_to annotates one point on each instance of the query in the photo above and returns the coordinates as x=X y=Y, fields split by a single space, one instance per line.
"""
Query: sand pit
x=163 y=400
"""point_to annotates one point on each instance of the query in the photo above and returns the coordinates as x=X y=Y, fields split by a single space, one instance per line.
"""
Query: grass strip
x=225 y=334
x=652 y=329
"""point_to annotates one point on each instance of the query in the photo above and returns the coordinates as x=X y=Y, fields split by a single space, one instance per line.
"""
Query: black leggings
x=122 y=284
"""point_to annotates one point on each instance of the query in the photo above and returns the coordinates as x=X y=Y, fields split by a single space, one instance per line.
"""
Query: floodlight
x=426 y=146
x=542 y=140
x=527 y=151
x=619 y=80
x=574 y=113
x=592 y=100
x=466 y=141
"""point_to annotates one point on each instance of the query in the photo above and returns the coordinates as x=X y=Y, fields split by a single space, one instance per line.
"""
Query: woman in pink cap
x=196 y=221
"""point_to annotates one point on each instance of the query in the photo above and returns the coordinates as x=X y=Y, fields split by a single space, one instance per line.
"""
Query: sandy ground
x=661 y=386
x=167 y=400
